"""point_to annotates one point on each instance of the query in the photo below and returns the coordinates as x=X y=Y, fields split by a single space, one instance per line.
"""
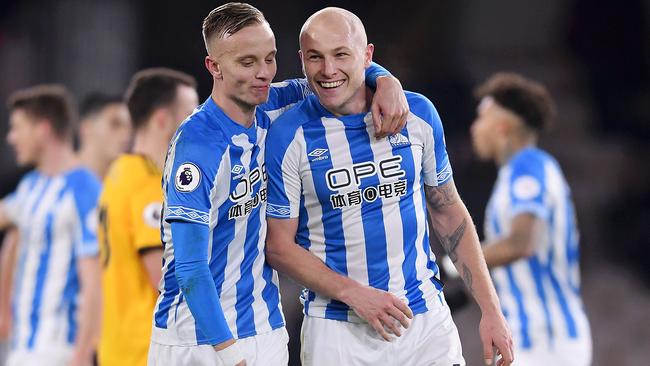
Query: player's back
x=540 y=295
x=130 y=207
x=56 y=218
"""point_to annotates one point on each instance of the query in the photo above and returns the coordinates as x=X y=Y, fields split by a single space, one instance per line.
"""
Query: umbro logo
x=237 y=169
x=398 y=139
x=318 y=154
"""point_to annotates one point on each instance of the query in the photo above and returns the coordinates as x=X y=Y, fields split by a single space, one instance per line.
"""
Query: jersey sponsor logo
x=187 y=177
x=242 y=196
x=398 y=140
x=339 y=178
x=318 y=154
x=152 y=213
x=526 y=187
x=350 y=177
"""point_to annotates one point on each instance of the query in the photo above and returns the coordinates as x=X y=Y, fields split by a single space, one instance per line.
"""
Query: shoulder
x=530 y=159
x=199 y=134
x=283 y=130
x=423 y=108
x=132 y=169
x=84 y=186
x=29 y=178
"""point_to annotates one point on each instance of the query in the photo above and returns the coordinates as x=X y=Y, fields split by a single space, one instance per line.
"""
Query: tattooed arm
x=452 y=226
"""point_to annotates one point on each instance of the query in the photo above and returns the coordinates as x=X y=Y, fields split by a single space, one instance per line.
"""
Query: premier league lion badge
x=187 y=177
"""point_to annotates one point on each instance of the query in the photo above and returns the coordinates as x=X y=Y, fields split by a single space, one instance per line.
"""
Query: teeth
x=332 y=84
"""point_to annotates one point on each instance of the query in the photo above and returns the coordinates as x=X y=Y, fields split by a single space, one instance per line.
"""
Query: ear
x=302 y=63
x=213 y=67
x=44 y=128
x=370 y=49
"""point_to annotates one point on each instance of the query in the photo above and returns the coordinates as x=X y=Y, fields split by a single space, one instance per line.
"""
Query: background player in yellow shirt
x=130 y=205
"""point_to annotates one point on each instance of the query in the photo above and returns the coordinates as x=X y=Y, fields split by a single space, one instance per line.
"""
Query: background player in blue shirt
x=54 y=309
x=216 y=285
x=347 y=217
x=531 y=235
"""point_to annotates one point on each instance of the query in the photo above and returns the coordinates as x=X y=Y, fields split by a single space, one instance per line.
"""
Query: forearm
x=196 y=282
x=501 y=253
x=309 y=270
x=7 y=265
x=455 y=231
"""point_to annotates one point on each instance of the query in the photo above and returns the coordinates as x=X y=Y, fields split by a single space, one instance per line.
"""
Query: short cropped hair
x=95 y=102
x=526 y=98
x=153 y=88
x=51 y=102
x=229 y=19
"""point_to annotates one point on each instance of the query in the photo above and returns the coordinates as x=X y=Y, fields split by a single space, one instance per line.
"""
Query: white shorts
x=565 y=353
x=431 y=339
x=263 y=349
x=58 y=357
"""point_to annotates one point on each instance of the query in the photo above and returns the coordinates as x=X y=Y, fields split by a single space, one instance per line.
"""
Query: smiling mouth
x=330 y=84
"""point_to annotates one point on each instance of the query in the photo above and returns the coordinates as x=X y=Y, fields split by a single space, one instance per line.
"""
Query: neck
x=359 y=103
x=57 y=158
x=512 y=146
x=93 y=160
x=239 y=112
x=151 y=144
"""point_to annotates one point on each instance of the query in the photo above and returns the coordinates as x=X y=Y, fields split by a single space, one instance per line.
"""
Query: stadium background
x=594 y=55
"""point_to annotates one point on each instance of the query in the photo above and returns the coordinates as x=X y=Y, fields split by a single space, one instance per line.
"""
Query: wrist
x=231 y=354
x=347 y=290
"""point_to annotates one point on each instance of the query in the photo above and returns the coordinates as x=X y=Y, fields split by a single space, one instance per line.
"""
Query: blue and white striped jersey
x=57 y=221
x=360 y=201
x=215 y=176
x=540 y=295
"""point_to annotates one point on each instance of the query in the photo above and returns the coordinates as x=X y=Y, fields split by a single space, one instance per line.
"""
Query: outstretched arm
x=452 y=226
x=526 y=231
x=377 y=307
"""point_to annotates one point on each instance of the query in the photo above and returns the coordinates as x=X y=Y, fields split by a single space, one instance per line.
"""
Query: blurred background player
x=348 y=217
x=130 y=207
x=219 y=301
x=531 y=234
x=104 y=131
x=55 y=310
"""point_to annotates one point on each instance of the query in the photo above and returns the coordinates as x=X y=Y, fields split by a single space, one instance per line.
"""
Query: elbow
x=274 y=254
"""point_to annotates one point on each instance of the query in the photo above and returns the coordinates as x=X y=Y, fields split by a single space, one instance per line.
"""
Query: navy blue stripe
x=335 y=254
x=372 y=216
x=271 y=296
x=169 y=293
x=69 y=302
x=523 y=317
x=245 y=299
x=41 y=273
x=566 y=312
x=410 y=229
x=43 y=266
x=538 y=274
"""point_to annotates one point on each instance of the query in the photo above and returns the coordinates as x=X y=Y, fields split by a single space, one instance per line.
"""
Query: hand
x=495 y=333
x=389 y=107
x=230 y=353
x=379 y=308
